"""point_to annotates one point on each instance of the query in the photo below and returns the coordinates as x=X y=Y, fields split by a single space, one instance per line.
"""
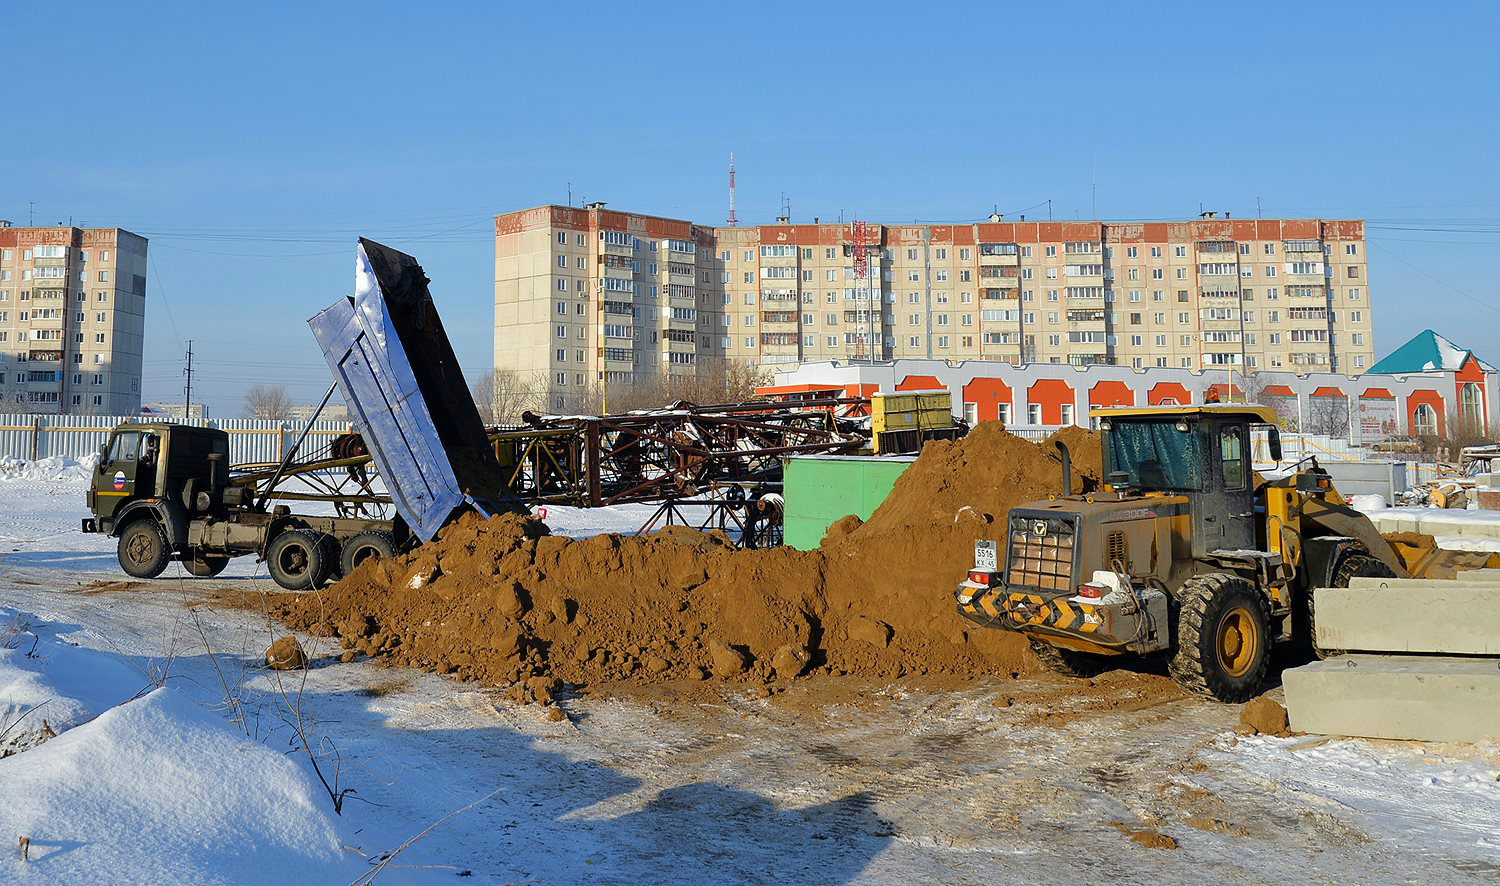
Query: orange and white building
x=1427 y=387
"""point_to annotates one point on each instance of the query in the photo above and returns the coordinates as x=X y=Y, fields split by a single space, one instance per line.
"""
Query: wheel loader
x=1183 y=550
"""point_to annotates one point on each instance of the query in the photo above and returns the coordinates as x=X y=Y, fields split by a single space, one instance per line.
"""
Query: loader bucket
x=393 y=362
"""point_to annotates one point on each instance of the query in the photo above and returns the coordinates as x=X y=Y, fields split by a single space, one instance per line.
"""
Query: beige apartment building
x=592 y=294
x=72 y=319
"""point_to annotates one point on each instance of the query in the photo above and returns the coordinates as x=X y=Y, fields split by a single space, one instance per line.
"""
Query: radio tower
x=734 y=220
x=858 y=246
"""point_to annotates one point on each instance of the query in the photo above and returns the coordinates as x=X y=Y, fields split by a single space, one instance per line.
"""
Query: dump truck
x=168 y=493
x=1183 y=550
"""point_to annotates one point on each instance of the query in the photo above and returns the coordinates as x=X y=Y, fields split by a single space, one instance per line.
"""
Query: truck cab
x=156 y=465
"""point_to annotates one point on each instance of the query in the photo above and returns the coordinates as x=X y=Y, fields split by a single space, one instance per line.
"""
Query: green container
x=821 y=489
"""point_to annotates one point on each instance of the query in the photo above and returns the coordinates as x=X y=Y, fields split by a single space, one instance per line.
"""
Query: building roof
x=1426 y=352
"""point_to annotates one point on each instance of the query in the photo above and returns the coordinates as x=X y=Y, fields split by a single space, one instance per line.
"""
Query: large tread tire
x=1353 y=565
x=298 y=560
x=1066 y=661
x=143 y=549
x=1213 y=614
x=363 y=546
x=204 y=565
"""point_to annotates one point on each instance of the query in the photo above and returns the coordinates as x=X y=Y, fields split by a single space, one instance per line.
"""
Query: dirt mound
x=503 y=601
x=1264 y=716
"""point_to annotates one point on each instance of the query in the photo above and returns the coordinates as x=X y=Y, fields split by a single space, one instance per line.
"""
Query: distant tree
x=268 y=402
x=501 y=396
x=1328 y=415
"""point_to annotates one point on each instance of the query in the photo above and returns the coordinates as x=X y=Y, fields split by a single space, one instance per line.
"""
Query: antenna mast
x=734 y=220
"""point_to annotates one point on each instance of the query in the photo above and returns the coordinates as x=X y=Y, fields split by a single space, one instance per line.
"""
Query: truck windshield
x=1156 y=455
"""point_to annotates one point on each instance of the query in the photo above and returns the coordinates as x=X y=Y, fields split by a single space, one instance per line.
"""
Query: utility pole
x=187 y=398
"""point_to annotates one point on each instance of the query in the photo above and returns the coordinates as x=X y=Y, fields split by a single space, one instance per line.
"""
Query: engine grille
x=1042 y=560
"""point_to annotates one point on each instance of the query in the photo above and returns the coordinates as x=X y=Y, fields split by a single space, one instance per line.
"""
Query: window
x=1351 y=249
x=1034 y=410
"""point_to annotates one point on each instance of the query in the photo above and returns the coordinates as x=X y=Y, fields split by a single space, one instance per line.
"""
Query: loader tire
x=204 y=565
x=298 y=560
x=1223 y=638
x=1066 y=661
x=143 y=550
x=364 y=546
x=1350 y=567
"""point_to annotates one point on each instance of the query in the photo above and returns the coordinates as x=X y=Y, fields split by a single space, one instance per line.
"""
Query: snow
x=162 y=790
x=902 y=783
x=1368 y=503
x=57 y=467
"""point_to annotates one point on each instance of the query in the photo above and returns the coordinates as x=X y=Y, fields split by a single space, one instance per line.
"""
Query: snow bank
x=45 y=678
x=160 y=790
x=57 y=467
x=155 y=790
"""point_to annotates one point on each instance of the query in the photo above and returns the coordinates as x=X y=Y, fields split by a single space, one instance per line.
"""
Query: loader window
x=1232 y=456
x=1158 y=456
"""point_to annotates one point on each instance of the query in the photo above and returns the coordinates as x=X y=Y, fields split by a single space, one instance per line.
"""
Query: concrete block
x=1439 y=617
x=1485 y=575
x=1392 y=696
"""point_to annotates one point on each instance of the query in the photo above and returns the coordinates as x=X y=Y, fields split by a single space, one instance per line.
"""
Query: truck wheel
x=298 y=560
x=1352 y=566
x=1223 y=637
x=1066 y=661
x=204 y=565
x=143 y=549
x=364 y=546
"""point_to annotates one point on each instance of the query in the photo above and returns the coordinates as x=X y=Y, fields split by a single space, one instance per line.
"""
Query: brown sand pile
x=504 y=602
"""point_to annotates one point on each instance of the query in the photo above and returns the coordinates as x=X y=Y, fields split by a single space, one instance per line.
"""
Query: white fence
x=251 y=441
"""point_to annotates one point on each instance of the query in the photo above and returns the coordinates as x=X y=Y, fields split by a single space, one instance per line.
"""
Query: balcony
x=1006 y=292
x=617 y=249
x=1302 y=247
x=680 y=272
x=778 y=317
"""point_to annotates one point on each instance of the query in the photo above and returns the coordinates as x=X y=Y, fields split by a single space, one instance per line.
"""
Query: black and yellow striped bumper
x=1030 y=612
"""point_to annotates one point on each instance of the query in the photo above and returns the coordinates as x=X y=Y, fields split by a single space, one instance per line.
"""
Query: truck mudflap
x=399 y=376
x=1118 y=622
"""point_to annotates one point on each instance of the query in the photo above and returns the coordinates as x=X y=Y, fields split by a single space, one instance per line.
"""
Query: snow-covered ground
x=178 y=759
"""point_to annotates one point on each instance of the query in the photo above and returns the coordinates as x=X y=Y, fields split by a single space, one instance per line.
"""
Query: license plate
x=985 y=555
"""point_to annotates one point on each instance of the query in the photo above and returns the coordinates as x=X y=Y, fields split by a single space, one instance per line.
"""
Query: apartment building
x=589 y=295
x=72 y=319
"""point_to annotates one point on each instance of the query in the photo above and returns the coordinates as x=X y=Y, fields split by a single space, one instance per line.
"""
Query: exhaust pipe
x=1067 y=468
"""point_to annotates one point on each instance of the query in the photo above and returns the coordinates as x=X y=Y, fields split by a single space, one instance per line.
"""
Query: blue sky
x=253 y=143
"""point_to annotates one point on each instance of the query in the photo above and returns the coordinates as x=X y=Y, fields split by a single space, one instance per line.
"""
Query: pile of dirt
x=504 y=602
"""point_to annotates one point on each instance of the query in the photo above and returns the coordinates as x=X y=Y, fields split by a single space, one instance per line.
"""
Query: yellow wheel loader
x=1185 y=550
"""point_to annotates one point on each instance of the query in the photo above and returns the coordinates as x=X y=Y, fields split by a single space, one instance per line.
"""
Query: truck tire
x=1223 y=638
x=143 y=548
x=1352 y=565
x=1066 y=661
x=204 y=565
x=298 y=560
x=364 y=546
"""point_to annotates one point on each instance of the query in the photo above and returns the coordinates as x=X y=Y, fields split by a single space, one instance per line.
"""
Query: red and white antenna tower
x=734 y=220
x=859 y=247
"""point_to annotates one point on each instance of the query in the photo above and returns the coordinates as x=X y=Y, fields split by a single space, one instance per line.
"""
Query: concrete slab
x=1443 y=618
x=1402 y=697
x=1484 y=575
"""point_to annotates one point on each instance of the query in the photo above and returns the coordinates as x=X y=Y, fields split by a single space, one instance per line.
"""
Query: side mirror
x=1273 y=443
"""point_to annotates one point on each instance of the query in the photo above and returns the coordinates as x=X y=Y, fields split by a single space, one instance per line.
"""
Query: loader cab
x=1202 y=454
x=157 y=460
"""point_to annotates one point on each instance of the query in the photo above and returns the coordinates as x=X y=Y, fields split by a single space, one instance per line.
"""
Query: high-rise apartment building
x=591 y=294
x=72 y=319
